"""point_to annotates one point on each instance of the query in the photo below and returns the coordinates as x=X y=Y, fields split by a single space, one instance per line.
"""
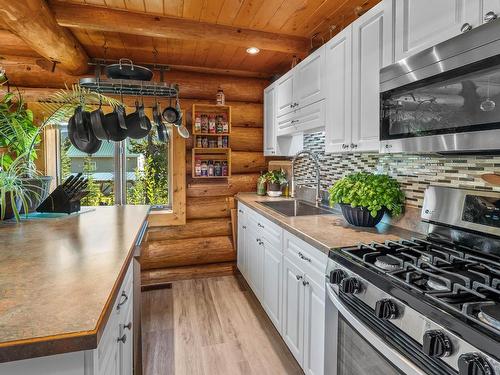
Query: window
x=132 y=171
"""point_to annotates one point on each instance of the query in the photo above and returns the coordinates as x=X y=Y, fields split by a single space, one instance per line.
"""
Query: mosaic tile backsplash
x=414 y=172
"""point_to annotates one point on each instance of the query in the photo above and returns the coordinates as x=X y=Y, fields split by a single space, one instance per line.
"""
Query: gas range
x=435 y=299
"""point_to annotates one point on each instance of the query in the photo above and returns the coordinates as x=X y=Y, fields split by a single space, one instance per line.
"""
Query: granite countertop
x=324 y=232
x=59 y=278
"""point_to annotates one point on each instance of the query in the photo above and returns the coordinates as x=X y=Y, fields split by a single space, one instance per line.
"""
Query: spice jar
x=219 y=142
x=218 y=124
x=212 y=143
x=217 y=169
x=224 y=168
x=225 y=124
x=199 y=142
x=210 y=168
x=197 y=123
x=204 y=142
x=204 y=123
x=211 y=124
x=197 y=167
x=225 y=141
x=204 y=168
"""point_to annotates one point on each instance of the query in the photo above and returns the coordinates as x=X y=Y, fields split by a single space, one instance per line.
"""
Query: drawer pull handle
x=123 y=301
x=299 y=277
x=260 y=225
x=128 y=326
x=301 y=256
x=305 y=283
x=122 y=339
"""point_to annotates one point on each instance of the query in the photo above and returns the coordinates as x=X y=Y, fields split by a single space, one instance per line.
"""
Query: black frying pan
x=171 y=114
x=115 y=124
x=97 y=120
x=88 y=143
x=138 y=124
x=125 y=69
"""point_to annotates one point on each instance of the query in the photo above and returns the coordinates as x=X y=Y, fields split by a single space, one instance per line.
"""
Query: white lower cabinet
x=287 y=276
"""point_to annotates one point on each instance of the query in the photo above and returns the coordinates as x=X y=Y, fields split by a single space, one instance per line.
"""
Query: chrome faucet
x=314 y=158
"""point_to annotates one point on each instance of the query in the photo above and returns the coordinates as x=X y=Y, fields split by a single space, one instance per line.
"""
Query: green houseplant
x=365 y=197
x=275 y=180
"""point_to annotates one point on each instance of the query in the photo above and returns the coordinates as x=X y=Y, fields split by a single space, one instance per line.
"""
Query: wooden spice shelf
x=219 y=154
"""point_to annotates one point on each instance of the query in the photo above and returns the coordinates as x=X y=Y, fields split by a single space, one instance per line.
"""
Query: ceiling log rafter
x=113 y=20
x=34 y=23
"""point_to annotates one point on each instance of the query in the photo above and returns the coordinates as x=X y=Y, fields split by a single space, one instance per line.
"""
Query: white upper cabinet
x=284 y=94
x=420 y=24
x=372 y=37
x=309 y=80
x=338 y=76
x=270 y=121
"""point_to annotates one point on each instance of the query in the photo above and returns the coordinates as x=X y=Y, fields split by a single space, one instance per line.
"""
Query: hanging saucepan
x=115 y=123
x=78 y=125
x=97 y=122
x=181 y=129
x=171 y=114
x=138 y=124
x=160 y=127
x=125 y=69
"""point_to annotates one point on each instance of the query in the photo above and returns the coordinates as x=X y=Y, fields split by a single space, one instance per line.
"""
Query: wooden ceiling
x=207 y=36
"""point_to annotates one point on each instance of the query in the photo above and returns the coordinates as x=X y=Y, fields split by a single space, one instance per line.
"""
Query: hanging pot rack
x=129 y=87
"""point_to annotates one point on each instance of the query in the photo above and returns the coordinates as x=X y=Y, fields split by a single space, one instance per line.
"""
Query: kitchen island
x=61 y=279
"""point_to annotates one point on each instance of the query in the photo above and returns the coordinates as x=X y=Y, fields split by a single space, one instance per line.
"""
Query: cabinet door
x=126 y=346
x=255 y=260
x=420 y=24
x=309 y=79
x=368 y=45
x=269 y=121
x=339 y=83
x=271 y=289
x=284 y=94
x=293 y=308
x=311 y=117
x=314 y=327
x=241 y=253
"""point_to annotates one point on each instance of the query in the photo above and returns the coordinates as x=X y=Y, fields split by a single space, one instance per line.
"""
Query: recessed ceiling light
x=253 y=50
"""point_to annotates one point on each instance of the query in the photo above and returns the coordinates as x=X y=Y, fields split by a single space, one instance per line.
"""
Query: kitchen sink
x=296 y=208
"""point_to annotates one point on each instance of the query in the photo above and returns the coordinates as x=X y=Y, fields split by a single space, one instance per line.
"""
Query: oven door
x=352 y=348
x=458 y=110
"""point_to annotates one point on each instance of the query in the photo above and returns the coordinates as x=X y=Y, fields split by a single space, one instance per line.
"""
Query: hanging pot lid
x=125 y=69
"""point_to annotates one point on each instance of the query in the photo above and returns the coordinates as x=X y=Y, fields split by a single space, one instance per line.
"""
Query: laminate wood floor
x=211 y=326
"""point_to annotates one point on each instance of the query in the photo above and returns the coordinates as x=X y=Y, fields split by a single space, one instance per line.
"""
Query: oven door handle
x=399 y=361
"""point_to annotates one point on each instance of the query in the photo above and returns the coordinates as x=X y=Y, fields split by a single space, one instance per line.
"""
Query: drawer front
x=310 y=259
x=312 y=116
x=271 y=232
x=125 y=293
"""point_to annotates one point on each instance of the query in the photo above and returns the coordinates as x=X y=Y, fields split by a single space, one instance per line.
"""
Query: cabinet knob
x=305 y=283
x=128 y=326
x=490 y=16
x=244 y=227
x=124 y=298
x=466 y=27
x=240 y=211
x=260 y=225
x=388 y=146
x=299 y=277
x=122 y=339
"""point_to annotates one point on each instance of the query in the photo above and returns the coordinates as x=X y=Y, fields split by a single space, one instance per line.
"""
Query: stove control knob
x=436 y=344
x=350 y=285
x=386 y=309
x=474 y=364
x=336 y=276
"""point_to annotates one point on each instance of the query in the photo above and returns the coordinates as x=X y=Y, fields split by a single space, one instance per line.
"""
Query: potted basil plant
x=275 y=180
x=364 y=198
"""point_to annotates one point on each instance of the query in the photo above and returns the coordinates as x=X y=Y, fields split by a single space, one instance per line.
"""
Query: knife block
x=59 y=201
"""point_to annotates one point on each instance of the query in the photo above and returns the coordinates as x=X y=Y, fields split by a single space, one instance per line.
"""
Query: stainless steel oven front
x=352 y=348
x=446 y=98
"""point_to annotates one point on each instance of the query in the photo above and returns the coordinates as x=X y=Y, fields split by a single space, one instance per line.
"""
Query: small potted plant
x=275 y=180
x=365 y=197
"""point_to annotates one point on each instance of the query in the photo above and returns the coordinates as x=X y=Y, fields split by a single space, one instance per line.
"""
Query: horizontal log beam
x=192 y=229
x=186 y=252
x=167 y=275
x=121 y=21
x=34 y=23
x=207 y=208
x=247 y=139
x=27 y=72
x=235 y=184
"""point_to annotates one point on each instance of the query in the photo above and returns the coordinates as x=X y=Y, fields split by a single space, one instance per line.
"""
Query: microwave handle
x=388 y=352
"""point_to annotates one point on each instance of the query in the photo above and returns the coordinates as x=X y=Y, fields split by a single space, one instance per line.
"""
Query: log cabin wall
x=204 y=246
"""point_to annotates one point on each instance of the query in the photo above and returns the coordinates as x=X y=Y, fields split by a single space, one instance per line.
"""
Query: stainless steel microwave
x=445 y=99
